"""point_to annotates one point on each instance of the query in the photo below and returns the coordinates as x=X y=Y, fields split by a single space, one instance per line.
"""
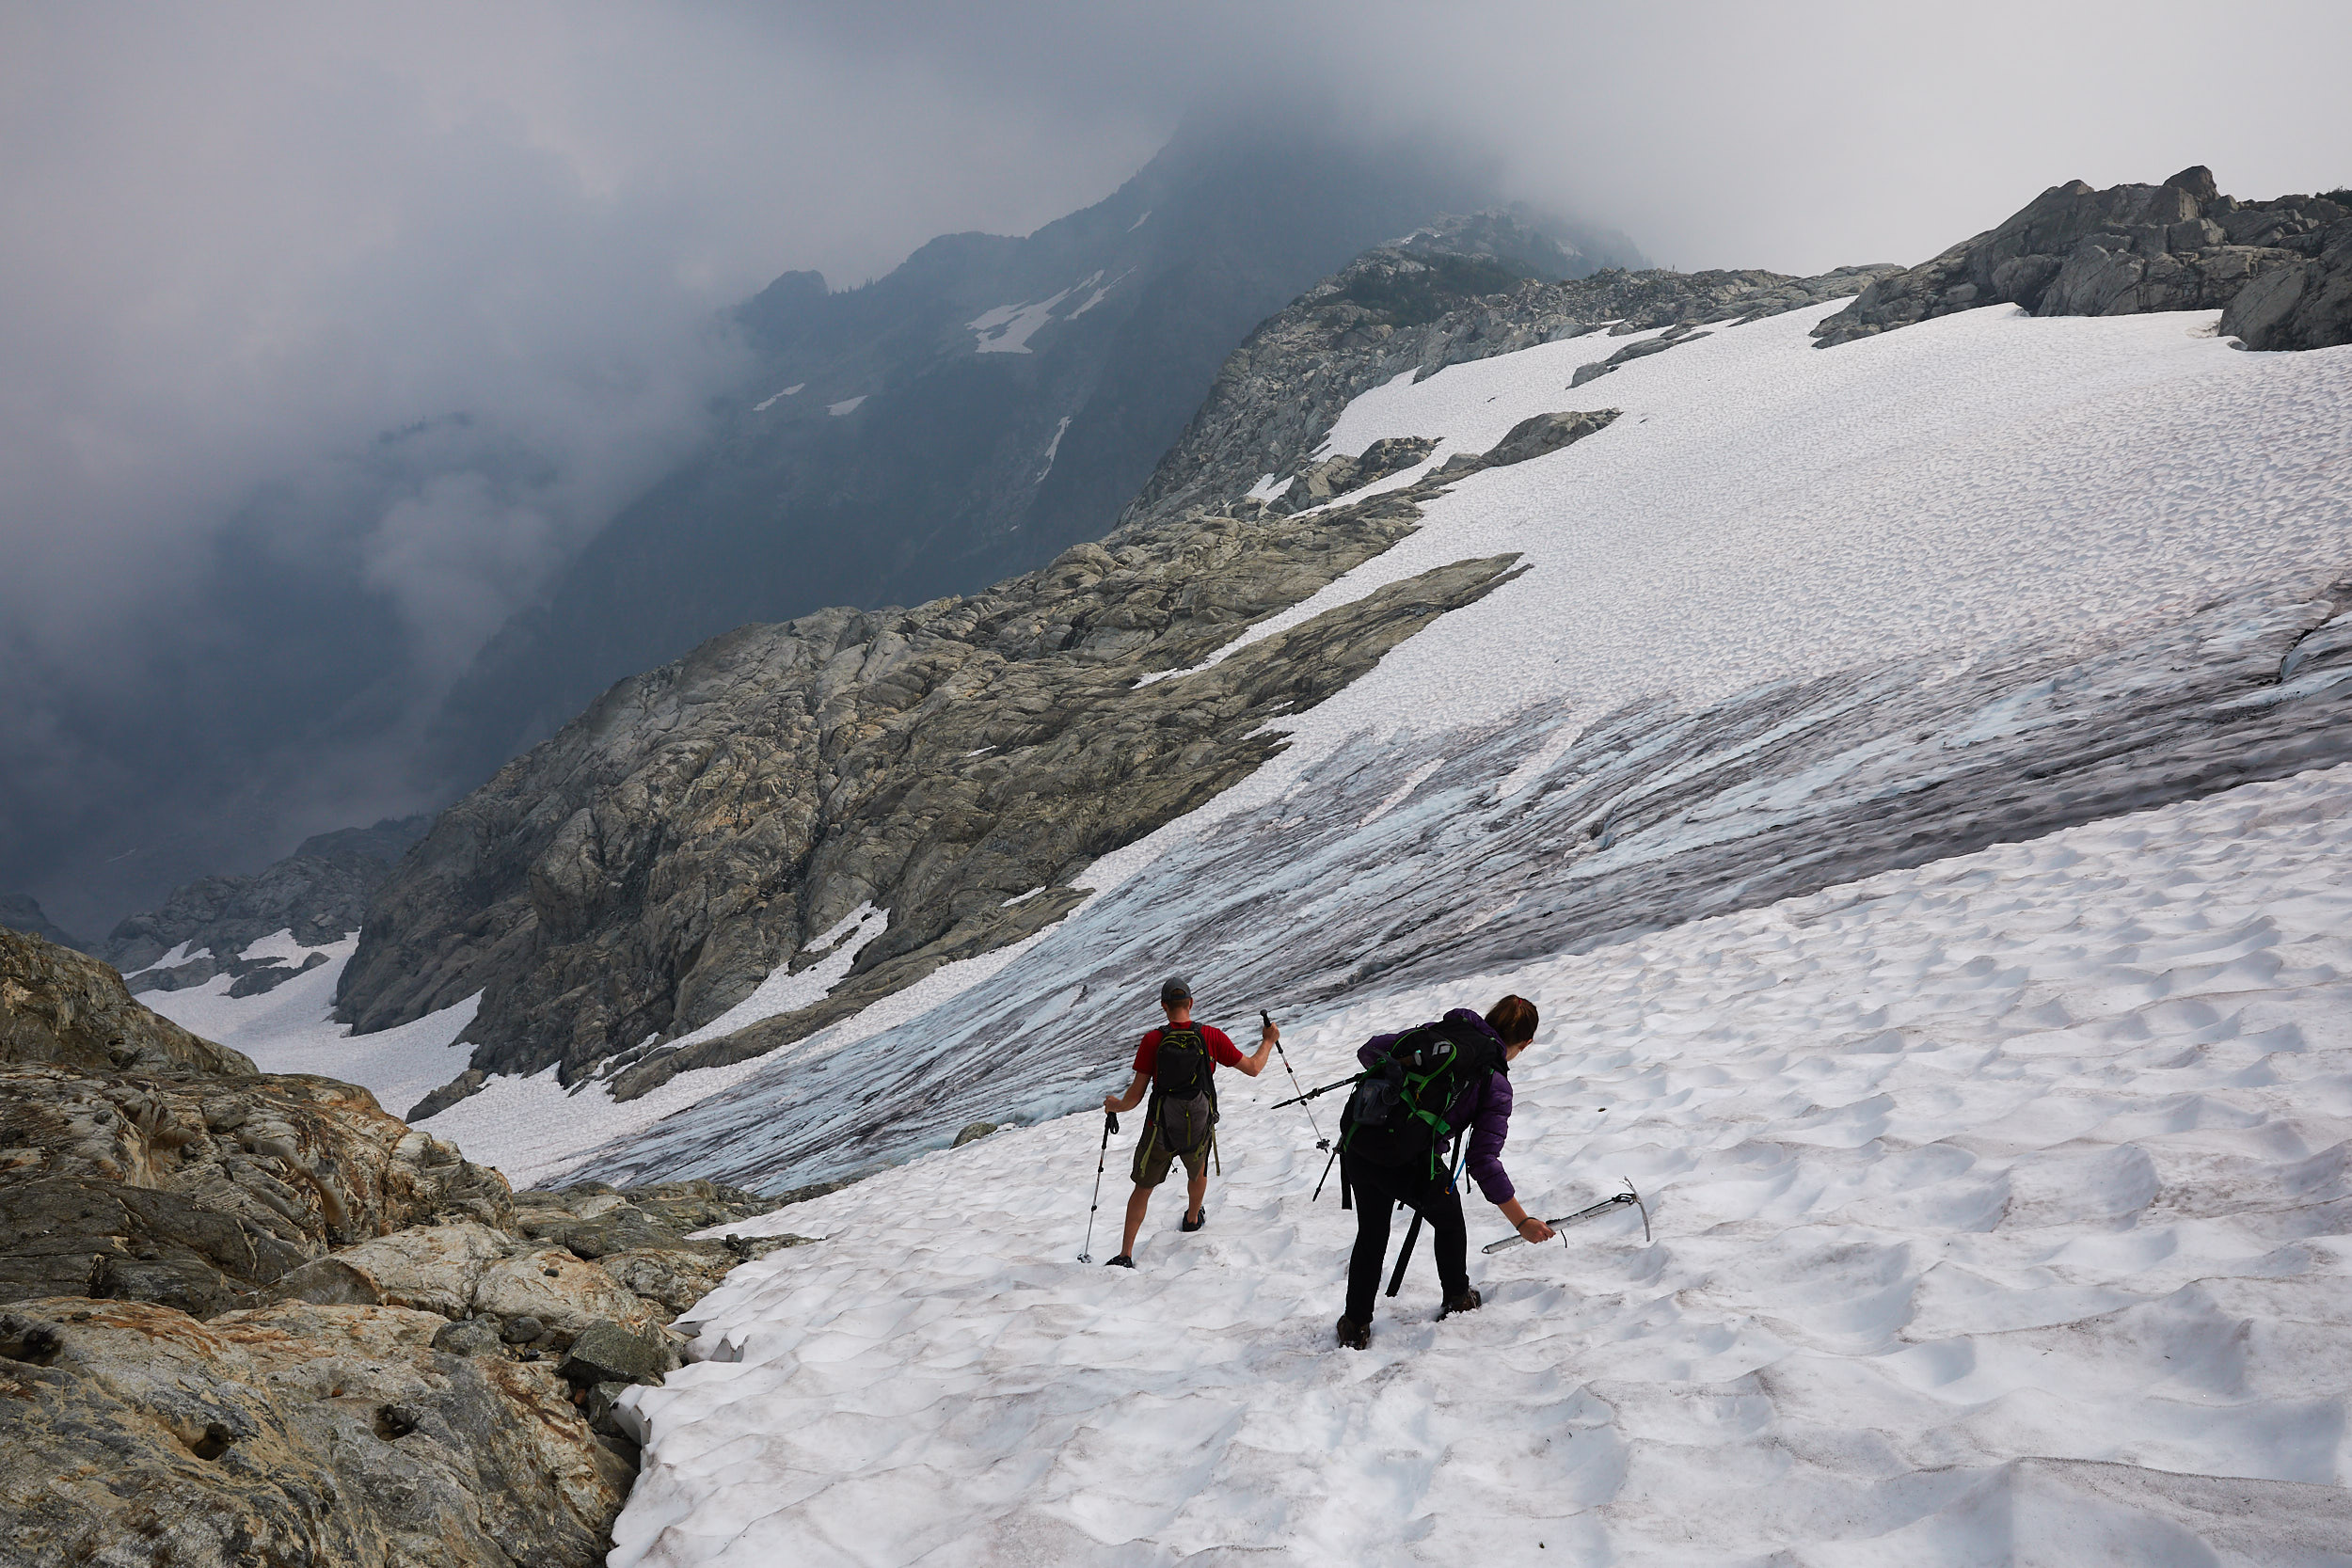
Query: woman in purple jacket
x=1486 y=1109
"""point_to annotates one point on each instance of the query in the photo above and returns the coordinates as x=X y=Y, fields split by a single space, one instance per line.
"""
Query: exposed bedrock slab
x=2281 y=269
x=288 y=1435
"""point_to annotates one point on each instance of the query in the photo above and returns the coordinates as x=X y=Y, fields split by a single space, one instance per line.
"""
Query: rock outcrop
x=59 y=1007
x=2281 y=269
x=318 y=893
x=251 y=1318
x=285 y=1435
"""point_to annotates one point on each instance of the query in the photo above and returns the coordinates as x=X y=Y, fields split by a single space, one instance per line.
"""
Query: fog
x=328 y=333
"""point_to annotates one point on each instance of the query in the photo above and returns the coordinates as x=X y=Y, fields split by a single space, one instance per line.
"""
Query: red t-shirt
x=1221 y=1050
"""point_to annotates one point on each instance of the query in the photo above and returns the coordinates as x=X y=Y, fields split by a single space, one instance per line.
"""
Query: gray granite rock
x=2181 y=246
x=288 y=1435
x=604 y=1351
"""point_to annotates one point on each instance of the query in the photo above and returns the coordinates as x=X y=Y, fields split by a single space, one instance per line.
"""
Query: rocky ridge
x=318 y=893
x=1410 y=309
x=251 y=1318
x=2280 y=271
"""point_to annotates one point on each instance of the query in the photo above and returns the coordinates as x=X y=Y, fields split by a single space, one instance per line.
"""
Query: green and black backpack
x=1402 y=1110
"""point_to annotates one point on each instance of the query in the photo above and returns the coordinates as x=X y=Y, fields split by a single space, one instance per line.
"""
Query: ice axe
x=1628 y=1196
x=1110 y=1125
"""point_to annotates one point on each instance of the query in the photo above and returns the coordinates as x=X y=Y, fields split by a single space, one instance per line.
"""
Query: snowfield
x=292 y=1029
x=1999 y=1209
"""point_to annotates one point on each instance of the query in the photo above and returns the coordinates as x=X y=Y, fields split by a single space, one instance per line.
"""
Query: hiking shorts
x=1153 y=1158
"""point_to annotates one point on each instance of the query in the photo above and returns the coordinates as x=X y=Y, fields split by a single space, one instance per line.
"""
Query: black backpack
x=1183 y=1086
x=1402 y=1107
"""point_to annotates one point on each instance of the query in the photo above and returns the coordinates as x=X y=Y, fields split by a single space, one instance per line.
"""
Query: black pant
x=1377 y=1188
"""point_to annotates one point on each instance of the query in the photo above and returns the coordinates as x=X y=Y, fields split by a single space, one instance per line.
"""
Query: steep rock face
x=711 y=822
x=1410 y=309
x=320 y=893
x=59 y=1007
x=2181 y=246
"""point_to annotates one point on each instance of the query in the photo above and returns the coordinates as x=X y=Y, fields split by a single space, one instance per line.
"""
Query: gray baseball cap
x=1176 y=989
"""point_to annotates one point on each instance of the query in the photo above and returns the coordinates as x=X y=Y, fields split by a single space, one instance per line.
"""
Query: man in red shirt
x=1177 y=1063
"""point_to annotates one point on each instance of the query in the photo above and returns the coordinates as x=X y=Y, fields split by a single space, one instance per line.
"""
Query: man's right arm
x=1114 y=1103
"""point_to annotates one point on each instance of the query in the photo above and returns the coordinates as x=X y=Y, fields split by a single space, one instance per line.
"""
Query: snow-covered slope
x=1795 y=616
x=1998 y=1214
x=291 y=1028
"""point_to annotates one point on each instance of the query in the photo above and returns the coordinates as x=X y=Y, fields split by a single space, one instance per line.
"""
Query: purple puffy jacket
x=1488 y=1108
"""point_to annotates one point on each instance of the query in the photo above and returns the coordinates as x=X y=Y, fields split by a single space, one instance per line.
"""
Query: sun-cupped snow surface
x=291 y=1028
x=2000 y=1210
x=1764 y=508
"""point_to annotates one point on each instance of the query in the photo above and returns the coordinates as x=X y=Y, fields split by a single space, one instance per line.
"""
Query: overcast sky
x=243 y=242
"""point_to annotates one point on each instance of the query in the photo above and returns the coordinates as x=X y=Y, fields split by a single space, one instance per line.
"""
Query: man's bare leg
x=1196 y=1192
x=1137 y=1202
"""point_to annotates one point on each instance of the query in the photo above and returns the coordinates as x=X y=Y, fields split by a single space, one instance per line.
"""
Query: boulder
x=432 y=1268
x=973 y=1132
x=678 y=1277
x=565 y=1292
x=295 y=1433
x=604 y=1351
x=473 y=1336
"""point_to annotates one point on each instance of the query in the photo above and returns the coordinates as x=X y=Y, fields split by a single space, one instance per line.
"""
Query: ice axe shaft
x=1312 y=1094
x=1614 y=1200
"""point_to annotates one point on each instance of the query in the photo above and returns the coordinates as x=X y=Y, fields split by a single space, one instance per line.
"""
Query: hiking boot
x=1355 y=1336
x=1467 y=1302
x=1194 y=1222
x=1122 y=1261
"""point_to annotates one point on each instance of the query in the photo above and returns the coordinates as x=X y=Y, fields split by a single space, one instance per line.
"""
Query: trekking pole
x=1110 y=1125
x=1614 y=1200
x=1321 y=1142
